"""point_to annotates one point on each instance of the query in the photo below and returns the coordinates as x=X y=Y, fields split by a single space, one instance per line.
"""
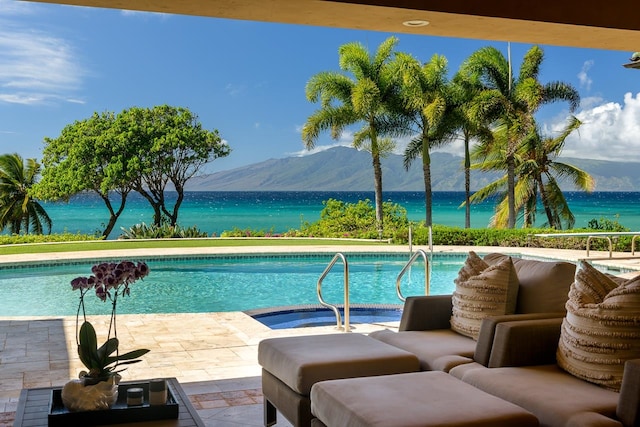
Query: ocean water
x=215 y=212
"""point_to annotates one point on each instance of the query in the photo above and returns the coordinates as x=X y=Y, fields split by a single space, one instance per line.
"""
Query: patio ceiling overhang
x=612 y=25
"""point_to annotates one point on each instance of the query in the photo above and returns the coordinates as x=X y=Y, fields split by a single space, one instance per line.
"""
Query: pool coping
x=620 y=261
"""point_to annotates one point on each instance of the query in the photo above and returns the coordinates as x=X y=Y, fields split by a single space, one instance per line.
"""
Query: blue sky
x=61 y=63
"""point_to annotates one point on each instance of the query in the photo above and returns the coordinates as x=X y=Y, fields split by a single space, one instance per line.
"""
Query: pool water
x=226 y=283
x=308 y=317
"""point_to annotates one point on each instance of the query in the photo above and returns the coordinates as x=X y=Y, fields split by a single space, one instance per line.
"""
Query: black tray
x=59 y=416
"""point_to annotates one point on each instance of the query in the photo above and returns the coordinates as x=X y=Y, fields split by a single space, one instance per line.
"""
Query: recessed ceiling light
x=415 y=23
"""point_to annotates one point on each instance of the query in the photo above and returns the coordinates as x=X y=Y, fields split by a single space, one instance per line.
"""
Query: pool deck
x=214 y=355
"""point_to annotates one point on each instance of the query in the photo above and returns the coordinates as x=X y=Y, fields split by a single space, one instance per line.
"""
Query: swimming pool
x=225 y=283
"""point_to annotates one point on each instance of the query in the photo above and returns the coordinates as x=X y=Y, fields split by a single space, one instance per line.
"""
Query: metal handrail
x=419 y=253
x=336 y=257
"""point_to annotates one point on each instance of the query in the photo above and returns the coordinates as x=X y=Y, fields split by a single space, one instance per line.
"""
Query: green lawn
x=173 y=243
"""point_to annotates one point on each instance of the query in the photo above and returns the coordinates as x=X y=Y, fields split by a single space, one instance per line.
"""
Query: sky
x=59 y=64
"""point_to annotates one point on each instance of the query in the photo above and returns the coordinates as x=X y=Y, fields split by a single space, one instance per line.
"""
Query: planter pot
x=90 y=394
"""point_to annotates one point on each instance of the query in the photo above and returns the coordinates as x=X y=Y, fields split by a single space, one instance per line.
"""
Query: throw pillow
x=482 y=290
x=601 y=330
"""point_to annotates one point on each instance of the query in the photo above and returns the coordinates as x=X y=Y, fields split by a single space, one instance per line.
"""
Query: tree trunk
x=173 y=215
x=113 y=215
x=511 y=190
x=155 y=205
x=467 y=182
x=545 y=204
x=426 y=172
x=377 y=176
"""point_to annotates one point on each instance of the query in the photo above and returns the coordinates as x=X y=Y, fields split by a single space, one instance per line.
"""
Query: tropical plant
x=542 y=171
x=464 y=89
x=109 y=281
x=367 y=97
x=510 y=103
x=539 y=175
x=427 y=104
x=164 y=231
x=19 y=210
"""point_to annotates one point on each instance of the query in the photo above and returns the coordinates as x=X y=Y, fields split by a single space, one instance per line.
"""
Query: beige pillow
x=482 y=291
x=602 y=328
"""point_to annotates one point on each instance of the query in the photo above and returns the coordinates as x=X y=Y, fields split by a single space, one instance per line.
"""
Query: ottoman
x=421 y=399
x=292 y=365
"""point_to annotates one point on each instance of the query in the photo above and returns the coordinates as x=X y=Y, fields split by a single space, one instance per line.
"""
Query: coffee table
x=33 y=409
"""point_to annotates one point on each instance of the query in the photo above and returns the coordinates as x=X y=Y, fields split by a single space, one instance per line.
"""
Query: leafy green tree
x=169 y=146
x=510 y=103
x=427 y=104
x=89 y=156
x=139 y=149
x=368 y=98
x=19 y=210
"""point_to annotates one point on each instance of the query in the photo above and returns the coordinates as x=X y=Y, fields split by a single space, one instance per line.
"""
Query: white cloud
x=235 y=89
x=590 y=101
x=37 y=67
x=610 y=131
x=345 y=140
x=583 y=76
x=13 y=7
x=137 y=13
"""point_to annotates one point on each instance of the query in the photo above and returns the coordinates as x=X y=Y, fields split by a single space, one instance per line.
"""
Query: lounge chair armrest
x=422 y=313
x=628 y=410
x=525 y=343
x=488 y=329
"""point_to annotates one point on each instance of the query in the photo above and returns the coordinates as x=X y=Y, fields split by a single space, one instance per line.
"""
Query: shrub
x=165 y=231
x=356 y=220
x=247 y=232
x=15 y=239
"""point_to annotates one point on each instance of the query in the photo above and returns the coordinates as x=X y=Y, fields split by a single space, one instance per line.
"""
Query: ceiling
x=611 y=25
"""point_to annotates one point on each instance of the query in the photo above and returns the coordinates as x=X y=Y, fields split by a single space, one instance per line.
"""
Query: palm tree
x=18 y=210
x=464 y=90
x=542 y=171
x=366 y=98
x=426 y=103
x=539 y=174
x=511 y=102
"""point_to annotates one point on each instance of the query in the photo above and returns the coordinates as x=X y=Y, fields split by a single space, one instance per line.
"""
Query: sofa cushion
x=555 y=397
x=437 y=350
x=602 y=327
x=544 y=285
x=482 y=290
x=424 y=399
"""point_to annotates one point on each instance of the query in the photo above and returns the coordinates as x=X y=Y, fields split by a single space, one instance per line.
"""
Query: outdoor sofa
x=292 y=365
x=581 y=370
x=425 y=327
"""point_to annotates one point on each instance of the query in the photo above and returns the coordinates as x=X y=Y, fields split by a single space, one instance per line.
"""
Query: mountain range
x=347 y=169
